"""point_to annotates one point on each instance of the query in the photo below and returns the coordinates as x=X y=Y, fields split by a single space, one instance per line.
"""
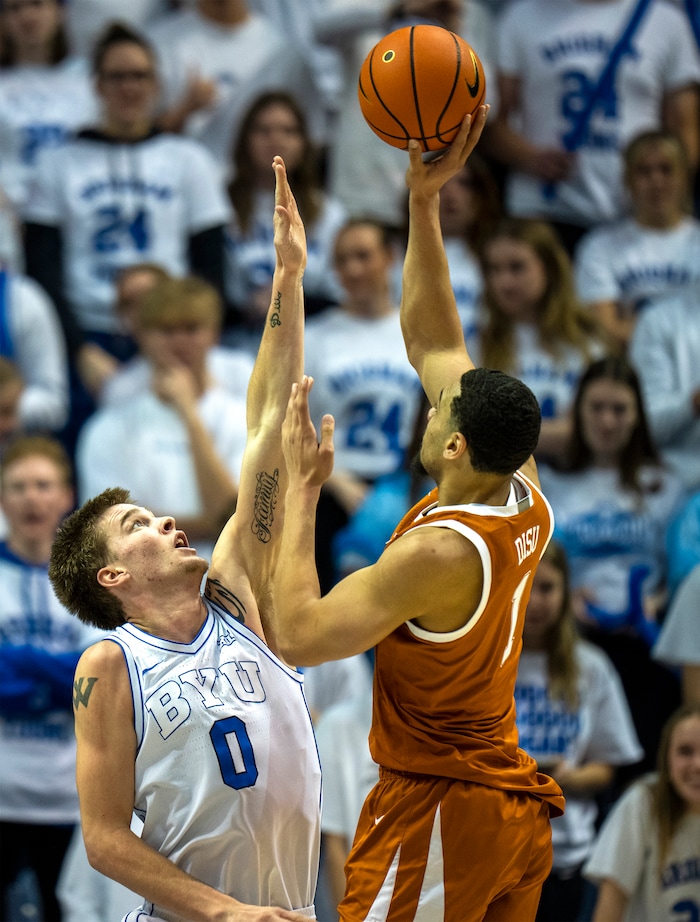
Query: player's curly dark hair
x=499 y=417
x=78 y=553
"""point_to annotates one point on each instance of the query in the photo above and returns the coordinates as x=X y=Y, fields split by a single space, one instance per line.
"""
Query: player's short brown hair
x=79 y=552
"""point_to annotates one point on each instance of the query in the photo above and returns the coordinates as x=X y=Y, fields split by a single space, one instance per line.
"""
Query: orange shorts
x=440 y=850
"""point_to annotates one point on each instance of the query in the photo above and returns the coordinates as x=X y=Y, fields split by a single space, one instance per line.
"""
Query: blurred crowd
x=136 y=262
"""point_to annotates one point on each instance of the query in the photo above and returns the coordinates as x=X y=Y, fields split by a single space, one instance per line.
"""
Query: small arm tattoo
x=266 y=495
x=217 y=592
x=275 y=320
x=82 y=689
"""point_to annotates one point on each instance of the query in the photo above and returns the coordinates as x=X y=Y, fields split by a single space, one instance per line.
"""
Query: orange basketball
x=420 y=82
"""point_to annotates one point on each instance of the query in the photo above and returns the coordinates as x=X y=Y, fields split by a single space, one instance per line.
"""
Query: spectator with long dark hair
x=612 y=503
x=276 y=124
x=534 y=325
x=573 y=718
x=470 y=206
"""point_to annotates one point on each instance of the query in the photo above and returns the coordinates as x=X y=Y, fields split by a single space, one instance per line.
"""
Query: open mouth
x=181 y=539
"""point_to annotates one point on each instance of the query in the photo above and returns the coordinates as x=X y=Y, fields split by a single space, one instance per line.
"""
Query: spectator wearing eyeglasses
x=118 y=194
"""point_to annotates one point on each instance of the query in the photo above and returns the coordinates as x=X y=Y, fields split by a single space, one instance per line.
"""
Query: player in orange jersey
x=457 y=828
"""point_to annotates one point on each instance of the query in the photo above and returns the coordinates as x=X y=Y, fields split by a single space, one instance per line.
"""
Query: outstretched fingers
x=307 y=459
x=289 y=234
x=468 y=135
x=426 y=178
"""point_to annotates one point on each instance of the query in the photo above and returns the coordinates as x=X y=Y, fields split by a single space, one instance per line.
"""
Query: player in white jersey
x=187 y=715
x=567 y=167
x=230 y=773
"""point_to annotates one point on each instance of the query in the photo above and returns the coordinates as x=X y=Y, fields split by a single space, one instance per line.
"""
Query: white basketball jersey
x=633 y=265
x=228 y=781
x=362 y=376
x=117 y=204
x=558 y=49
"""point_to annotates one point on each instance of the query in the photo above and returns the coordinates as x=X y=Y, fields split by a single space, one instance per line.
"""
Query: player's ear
x=455 y=446
x=111 y=576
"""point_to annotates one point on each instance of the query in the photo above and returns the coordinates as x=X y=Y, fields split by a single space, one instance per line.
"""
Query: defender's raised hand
x=289 y=233
x=309 y=462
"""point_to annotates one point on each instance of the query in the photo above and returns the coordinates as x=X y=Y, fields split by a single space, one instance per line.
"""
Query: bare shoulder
x=101 y=683
x=430 y=565
x=428 y=545
x=105 y=657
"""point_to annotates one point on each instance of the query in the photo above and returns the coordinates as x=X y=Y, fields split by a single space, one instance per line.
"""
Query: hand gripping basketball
x=419 y=82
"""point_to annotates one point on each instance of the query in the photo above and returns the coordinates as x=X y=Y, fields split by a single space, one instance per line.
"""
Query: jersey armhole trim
x=537 y=491
x=136 y=690
x=485 y=556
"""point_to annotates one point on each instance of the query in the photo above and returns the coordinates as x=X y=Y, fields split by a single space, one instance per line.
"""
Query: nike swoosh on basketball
x=474 y=87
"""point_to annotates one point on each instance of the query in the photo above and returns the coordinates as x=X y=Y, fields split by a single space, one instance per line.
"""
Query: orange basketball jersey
x=443 y=703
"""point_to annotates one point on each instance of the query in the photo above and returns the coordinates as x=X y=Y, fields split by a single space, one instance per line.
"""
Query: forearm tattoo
x=275 y=319
x=217 y=592
x=82 y=689
x=266 y=495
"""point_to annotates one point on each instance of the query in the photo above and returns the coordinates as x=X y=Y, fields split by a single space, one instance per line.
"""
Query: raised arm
x=248 y=543
x=430 y=323
x=431 y=327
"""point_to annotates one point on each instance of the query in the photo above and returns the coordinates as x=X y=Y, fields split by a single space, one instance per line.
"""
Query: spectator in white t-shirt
x=646 y=858
x=560 y=128
x=45 y=92
x=650 y=253
x=119 y=194
x=216 y=57
x=678 y=644
x=573 y=718
x=178 y=443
